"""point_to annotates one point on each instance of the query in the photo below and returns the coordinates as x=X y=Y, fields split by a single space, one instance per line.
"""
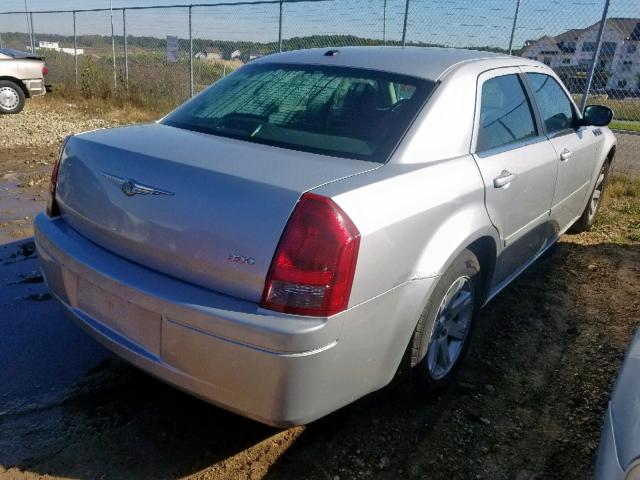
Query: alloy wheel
x=9 y=98
x=451 y=327
x=597 y=195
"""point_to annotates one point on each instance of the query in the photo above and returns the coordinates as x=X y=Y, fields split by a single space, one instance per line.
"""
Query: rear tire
x=588 y=217
x=11 y=97
x=442 y=335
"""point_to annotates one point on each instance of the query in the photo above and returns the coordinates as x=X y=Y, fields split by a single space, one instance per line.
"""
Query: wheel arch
x=608 y=151
x=477 y=234
x=483 y=244
x=605 y=154
x=18 y=82
x=611 y=154
x=485 y=250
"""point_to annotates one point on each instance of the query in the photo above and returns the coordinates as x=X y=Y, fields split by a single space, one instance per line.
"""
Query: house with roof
x=571 y=52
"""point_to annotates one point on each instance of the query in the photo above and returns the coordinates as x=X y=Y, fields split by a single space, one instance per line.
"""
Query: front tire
x=11 y=98
x=442 y=335
x=588 y=217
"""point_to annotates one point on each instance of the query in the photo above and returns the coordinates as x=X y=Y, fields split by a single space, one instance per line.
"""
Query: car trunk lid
x=205 y=209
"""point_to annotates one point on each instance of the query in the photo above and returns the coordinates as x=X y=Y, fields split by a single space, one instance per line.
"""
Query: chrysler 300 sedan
x=287 y=240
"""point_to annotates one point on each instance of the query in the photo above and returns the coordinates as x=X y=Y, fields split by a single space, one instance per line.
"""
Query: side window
x=554 y=105
x=505 y=113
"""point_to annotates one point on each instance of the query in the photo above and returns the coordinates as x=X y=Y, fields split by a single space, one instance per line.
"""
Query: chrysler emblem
x=127 y=188
x=130 y=187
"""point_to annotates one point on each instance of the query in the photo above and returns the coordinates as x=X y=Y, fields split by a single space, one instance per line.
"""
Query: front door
x=575 y=147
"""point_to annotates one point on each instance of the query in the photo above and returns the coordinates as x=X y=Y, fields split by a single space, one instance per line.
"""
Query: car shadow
x=529 y=398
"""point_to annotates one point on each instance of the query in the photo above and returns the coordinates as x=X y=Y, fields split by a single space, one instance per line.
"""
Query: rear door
x=575 y=146
x=518 y=165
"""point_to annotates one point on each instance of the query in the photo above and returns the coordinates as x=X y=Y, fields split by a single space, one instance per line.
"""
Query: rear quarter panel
x=21 y=69
x=413 y=220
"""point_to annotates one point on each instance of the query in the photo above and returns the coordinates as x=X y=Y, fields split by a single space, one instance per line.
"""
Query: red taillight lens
x=45 y=70
x=313 y=267
x=52 y=205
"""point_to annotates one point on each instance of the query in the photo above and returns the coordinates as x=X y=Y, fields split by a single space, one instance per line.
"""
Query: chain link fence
x=165 y=54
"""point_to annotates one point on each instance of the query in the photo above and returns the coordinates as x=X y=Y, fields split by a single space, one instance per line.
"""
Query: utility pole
x=29 y=27
x=113 y=48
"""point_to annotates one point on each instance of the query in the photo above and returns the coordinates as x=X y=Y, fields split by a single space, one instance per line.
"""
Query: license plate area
x=138 y=324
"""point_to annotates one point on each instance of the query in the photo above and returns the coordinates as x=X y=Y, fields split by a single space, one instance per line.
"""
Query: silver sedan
x=284 y=242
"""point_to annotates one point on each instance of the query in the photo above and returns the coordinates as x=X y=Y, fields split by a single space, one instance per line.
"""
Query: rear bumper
x=35 y=86
x=277 y=369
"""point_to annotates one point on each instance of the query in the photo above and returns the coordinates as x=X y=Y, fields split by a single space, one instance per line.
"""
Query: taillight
x=313 y=267
x=45 y=70
x=52 y=205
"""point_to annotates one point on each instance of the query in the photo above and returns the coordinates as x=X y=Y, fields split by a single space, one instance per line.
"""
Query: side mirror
x=597 y=115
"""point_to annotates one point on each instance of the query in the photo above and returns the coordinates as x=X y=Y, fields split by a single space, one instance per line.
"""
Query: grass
x=117 y=109
x=619 y=218
x=153 y=84
x=625 y=125
x=624 y=110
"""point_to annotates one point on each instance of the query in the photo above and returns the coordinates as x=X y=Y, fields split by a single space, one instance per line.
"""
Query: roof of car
x=425 y=62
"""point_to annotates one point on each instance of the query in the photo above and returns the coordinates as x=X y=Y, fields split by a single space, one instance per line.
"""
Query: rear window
x=344 y=112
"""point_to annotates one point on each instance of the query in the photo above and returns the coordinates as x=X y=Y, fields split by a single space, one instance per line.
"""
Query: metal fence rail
x=167 y=53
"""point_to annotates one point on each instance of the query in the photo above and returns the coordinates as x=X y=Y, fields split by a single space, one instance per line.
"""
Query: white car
x=21 y=77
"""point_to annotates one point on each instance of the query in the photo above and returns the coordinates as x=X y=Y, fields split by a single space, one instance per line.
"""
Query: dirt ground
x=528 y=403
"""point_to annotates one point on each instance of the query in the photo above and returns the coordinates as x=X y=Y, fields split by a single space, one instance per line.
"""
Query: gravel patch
x=41 y=125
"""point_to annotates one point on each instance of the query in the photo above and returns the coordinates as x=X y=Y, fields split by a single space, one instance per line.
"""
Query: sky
x=449 y=22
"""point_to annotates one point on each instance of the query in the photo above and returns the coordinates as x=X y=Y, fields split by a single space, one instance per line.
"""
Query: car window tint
x=505 y=113
x=338 y=111
x=554 y=105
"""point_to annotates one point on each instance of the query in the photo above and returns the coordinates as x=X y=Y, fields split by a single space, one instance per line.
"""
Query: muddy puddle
x=21 y=198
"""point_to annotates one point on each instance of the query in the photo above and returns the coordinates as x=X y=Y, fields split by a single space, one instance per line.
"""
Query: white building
x=49 y=45
x=209 y=53
x=571 y=52
x=56 y=46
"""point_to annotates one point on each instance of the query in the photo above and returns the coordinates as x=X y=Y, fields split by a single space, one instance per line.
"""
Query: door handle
x=504 y=179
x=565 y=155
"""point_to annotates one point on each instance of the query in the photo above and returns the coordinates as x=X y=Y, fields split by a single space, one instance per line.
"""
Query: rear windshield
x=344 y=112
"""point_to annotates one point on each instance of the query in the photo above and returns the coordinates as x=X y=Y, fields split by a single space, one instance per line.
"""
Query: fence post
x=75 y=46
x=513 y=28
x=33 y=34
x=404 y=26
x=1 y=41
x=190 y=55
x=26 y=17
x=280 y=29
x=126 y=48
x=384 y=23
x=113 y=53
x=596 y=54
